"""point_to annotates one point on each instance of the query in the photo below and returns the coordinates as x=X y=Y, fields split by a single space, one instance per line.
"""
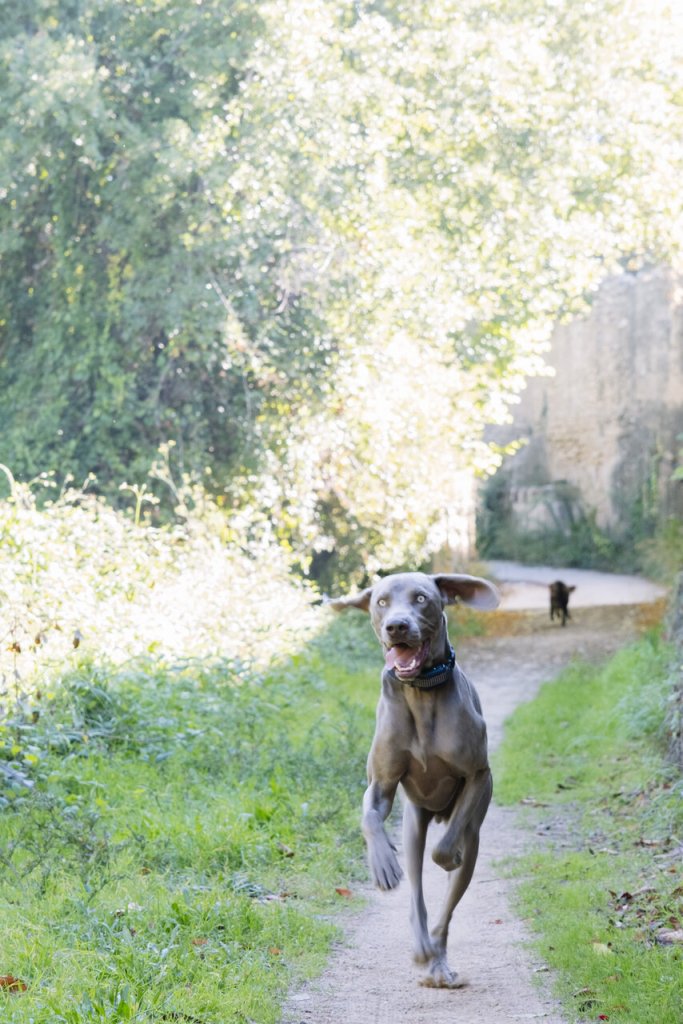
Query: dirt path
x=526 y=586
x=371 y=978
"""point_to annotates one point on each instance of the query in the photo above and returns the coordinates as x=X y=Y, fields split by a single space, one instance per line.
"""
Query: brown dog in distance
x=559 y=600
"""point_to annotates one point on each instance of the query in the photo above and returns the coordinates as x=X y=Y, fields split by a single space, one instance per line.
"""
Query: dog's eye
x=420 y=599
x=382 y=602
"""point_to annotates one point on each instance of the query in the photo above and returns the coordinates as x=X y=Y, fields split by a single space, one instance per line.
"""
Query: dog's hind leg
x=439 y=974
x=415 y=823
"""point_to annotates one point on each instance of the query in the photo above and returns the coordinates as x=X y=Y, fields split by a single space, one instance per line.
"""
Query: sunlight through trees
x=316 y=243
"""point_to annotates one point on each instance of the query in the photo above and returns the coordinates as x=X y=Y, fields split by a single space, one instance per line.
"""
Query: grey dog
x=430 y=737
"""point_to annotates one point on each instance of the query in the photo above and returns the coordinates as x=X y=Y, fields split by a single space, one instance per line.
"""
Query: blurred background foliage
x=314 y=244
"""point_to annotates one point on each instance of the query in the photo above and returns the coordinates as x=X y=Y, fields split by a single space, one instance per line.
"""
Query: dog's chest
x=443 y=733
x=445 y=740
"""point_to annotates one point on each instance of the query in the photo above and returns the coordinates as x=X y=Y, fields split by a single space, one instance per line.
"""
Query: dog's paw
x=388 y=877
x=385 y=869
x=441 y=976
x=447 y=858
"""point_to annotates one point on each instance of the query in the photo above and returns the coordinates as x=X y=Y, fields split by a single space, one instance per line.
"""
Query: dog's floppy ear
x=361 y=601
x=471 y=589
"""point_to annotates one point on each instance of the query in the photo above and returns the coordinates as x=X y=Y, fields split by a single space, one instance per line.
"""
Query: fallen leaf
x=275 y=951
x=199 y=942
x=11 y=984
x=343 y=892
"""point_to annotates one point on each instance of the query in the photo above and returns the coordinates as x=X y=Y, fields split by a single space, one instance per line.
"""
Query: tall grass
x=187 y=839
x=182 y=746
x=603 y=889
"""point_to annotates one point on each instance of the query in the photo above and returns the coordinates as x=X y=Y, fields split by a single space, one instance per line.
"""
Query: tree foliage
x=316 y=243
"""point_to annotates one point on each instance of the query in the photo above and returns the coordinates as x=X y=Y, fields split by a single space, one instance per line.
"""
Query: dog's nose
x=397 y=628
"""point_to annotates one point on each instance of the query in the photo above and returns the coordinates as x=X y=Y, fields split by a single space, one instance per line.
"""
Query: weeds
x=179 y=848
x=173 y=827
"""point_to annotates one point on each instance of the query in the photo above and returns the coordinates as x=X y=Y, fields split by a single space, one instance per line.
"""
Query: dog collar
x=436 y=676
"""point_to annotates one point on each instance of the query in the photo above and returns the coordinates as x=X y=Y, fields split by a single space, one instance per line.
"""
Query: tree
x=317 y=243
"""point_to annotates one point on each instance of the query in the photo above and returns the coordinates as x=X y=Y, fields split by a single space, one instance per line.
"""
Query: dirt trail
x=371 y=978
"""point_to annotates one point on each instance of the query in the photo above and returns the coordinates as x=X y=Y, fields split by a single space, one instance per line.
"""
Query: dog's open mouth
x=406 y=661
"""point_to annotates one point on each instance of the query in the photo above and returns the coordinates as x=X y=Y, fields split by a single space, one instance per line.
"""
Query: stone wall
x=602 y=431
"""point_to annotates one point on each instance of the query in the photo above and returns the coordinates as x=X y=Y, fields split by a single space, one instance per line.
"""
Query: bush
x=77 y=575
x=661 y=556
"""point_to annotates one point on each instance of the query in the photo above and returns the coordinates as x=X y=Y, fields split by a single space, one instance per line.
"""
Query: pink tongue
x=390 y=657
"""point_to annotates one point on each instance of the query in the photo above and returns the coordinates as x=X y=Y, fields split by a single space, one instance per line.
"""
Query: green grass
x=178 y=855
x=183 y=737
x=588 y=758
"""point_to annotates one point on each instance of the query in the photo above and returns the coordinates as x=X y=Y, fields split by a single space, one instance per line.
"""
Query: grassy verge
x=182 y=758
x=604 y=892
x=181 y=838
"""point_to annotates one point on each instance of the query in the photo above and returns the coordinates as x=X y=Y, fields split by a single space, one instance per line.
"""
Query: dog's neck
x=429 y=678
x=442 y=647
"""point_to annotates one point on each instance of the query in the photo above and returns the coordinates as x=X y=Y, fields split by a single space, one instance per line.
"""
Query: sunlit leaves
x=224 y=221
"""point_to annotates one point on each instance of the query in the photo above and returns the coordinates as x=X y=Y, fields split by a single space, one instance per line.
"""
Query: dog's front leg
x=377 y=803
x=470 y=807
